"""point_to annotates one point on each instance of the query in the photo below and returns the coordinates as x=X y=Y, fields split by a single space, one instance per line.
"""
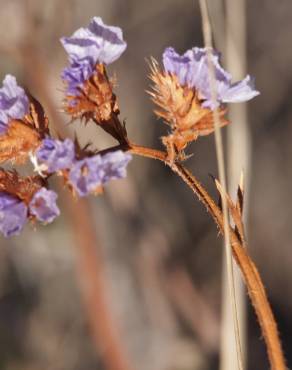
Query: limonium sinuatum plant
x=181 y=91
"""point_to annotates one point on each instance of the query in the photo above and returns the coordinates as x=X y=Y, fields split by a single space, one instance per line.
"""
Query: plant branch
x=249 y=271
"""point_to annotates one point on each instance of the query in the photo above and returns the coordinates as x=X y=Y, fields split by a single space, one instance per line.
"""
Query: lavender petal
x=192 y=70
x=13 y=214
x=56 y=154
x=87 y=174
x=43 y=205
x=240 y=91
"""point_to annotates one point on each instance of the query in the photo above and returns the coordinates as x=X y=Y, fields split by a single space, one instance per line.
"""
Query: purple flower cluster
x=14 y=103
x=14 y=212
x=90 y=173
x=192 y=70
x=87 y=174
x=98 y=43
x=56 y=155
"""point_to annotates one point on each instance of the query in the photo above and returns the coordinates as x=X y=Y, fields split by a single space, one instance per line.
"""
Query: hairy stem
x=249 y=271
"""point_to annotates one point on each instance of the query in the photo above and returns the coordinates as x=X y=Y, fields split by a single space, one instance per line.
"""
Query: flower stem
x=249 y=271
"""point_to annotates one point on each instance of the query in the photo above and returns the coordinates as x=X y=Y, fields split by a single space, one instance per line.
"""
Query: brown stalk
x=249 y=271
x=90 y=266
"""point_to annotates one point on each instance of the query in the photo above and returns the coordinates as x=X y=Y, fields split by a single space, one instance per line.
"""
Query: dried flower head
x=13 y=214
x=89 y=174
x=192 y=70
x=43 y=205
x=89 y=92
x=183 y=94
x=181 y=108
x=97 y=44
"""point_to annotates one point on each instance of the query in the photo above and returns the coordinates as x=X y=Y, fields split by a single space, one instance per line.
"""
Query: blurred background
x=135 y=274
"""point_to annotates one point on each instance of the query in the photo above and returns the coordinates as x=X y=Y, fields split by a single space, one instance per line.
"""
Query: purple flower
x=14 y=103
x=98 y=43
x=76 y=75
x=86 y=175
x=43 y=205
x=13 y=214
x=114 y=166
x=192 y=70
x=56 y=155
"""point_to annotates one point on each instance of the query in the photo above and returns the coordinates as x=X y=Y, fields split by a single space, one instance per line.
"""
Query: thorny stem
x=249 y=271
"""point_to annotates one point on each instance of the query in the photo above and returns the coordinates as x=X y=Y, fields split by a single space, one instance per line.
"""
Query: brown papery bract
x=19 y=140
x=97 y=102
x=25 y=135
x=96 y=99
x=182 y=109
x=22 y=187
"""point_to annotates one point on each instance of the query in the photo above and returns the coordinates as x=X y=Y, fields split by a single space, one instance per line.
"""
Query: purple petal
x=99 y=43
x=43 y=205
x=13 y=214
x=110 y=39
x=240 y=91
x=86 y=175
x=56 y=154
x=192 y=69
x=114 y=166
x=13 y=100
x=81 y=45
x=76 y=74
x=180 y=65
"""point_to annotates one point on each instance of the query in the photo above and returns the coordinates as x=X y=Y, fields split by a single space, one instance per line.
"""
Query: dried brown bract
x=18 y=141
x=235 y=208
x=24 y=136
x=22 y=187
x=37 y=117
x=97 y=102
x=182 y=109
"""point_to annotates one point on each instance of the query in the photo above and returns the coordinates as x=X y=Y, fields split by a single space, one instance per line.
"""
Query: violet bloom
x=192 y=70
x=76 y=75
x=43 y=205
x=13 y=214
x=87 y=174
x=98 y=43
x=114 y=166
x=14 y=103
x=55 y=155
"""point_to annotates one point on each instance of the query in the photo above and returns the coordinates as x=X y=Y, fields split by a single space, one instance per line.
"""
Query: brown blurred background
x=159 y=250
